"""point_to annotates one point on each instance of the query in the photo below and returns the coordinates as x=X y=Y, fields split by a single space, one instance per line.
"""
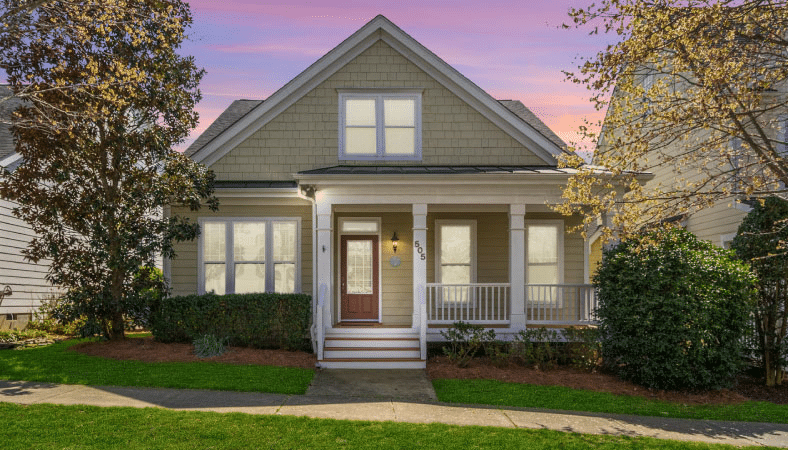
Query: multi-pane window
x=380 y=126
x=456 y=265
x=543 y=260
x=249 y=255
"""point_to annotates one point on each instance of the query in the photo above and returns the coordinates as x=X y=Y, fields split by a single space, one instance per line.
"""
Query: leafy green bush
x=262 y=320
x=537 y=347
x=464 y=341
x=497 y=350
x=760 y=241
x=673 y=310
x=208 y=346
x=20 y=335
x=583 y=347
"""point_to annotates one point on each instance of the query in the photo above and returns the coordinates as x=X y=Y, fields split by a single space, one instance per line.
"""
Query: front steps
x=372 y=348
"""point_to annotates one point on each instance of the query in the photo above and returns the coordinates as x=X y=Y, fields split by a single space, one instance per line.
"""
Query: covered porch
x=391 y=275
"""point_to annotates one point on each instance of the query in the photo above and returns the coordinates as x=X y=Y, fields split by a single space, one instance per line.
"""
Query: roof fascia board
x=9 y=160
x=287 y=95
x=472 y=94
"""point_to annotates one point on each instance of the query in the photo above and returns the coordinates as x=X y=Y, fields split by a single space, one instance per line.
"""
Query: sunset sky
x=512 y=49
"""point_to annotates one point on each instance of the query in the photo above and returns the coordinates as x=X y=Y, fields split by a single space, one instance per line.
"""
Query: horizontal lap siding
x=183 y=269
x=26 y=279
x=305 y=135
x=709 y=224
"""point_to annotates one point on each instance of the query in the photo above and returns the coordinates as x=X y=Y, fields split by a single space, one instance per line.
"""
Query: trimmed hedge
x=263 y=320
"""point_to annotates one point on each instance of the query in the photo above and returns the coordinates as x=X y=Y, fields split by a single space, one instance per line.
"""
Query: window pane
x=284 y=241
x=213 y=241
x=359 y=227
x=399 y=112
x=284 y=278
x=547 y=274
x=400 y=141
x=455 y=274
x=360 y=112
x=360 y=141
x=249 y=278
x=214 y=278
x=455 y=244
x=359 y=267
x=249 y=241
x=542 y=244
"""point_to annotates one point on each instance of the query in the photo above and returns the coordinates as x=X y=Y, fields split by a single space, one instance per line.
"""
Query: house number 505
x=420 y=250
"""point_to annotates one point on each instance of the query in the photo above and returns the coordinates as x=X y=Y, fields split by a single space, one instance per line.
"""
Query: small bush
x=537 y=347
x=264 y=320
x=584 y=348
x=498 y=351
x=464 y=341
x=20 y=335
x=673 y=311
x=208 y=346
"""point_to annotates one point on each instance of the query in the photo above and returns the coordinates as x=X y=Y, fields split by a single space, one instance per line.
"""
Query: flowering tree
x=107 y=96
x=693 y=89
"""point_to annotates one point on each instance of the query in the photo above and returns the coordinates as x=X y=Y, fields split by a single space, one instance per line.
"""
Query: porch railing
x=560 y=304
x=480 y=303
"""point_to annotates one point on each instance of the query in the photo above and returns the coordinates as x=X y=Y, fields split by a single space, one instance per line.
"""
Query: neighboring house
x=397 y=193
x=25 y=279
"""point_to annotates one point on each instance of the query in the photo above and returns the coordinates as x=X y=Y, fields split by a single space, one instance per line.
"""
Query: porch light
x=394 y=241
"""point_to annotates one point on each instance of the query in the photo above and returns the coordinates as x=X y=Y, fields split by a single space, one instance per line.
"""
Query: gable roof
x=240 y=108
x=378 y=29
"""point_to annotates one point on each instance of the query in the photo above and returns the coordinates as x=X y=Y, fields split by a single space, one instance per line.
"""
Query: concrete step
x=377 y=363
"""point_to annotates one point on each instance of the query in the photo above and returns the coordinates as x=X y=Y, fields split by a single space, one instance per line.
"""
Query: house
x=23 y=281
x=399 y=194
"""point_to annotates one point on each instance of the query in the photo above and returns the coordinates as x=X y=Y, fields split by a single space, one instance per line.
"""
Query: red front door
x=359 y=279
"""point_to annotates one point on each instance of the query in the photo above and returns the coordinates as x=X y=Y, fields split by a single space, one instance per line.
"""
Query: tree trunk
x=117 y=327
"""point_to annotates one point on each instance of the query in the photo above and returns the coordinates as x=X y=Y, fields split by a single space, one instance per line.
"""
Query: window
x=375 y=126
x=544 y=250
x=456 y=258
x=249 y=255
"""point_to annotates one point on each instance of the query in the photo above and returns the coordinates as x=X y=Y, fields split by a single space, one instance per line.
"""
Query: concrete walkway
x=330 y=401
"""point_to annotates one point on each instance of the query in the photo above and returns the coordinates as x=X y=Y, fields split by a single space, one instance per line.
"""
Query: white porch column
x=517 y=265
x=419 y=259
x=323 y=259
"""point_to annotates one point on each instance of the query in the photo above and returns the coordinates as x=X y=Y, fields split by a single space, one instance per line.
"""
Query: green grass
x=491 y=392
x=57 y=364
x=89 y=427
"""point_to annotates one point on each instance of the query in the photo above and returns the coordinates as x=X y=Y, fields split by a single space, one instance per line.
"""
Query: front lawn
x=57 y=364
x=492 y=392
x=89 y=427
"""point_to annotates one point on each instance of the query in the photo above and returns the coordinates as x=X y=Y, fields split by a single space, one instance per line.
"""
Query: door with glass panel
x=359 y=282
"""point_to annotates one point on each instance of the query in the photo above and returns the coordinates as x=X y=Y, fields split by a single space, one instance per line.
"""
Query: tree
x=673 y=310
x=695 y=88
x=759 y=240
x=98 y=164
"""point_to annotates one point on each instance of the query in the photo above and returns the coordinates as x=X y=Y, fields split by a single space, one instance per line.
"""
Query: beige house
x=397 y=193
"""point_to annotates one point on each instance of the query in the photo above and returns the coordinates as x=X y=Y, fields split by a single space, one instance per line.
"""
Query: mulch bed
x=148 y=350
x=748 y=387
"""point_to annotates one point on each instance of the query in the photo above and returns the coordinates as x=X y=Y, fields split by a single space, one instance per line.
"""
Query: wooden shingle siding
x=183 y=268
x=305 y=135
x=26 y=279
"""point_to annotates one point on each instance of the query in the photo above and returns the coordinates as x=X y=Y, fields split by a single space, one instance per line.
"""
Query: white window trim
x=560 y=251
x=474 y=240
x=340 y=233
x=379 y=96
x=726 y=238
x=230 y=256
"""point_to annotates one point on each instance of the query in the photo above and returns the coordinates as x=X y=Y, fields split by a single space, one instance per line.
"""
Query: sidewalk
x=382 y=409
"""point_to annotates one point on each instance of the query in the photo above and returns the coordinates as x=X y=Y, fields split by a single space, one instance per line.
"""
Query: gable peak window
x=380 y=125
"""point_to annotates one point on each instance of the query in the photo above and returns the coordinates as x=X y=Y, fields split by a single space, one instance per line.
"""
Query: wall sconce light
x=394 y=241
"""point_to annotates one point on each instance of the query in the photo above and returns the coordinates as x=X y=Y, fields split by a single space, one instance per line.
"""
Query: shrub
x=761 y=242
x=498 y=351
x=208 y=346
x=464 y=341
x=262 y=320
x=583 y=347
x=673 y=310
x=537 y=347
